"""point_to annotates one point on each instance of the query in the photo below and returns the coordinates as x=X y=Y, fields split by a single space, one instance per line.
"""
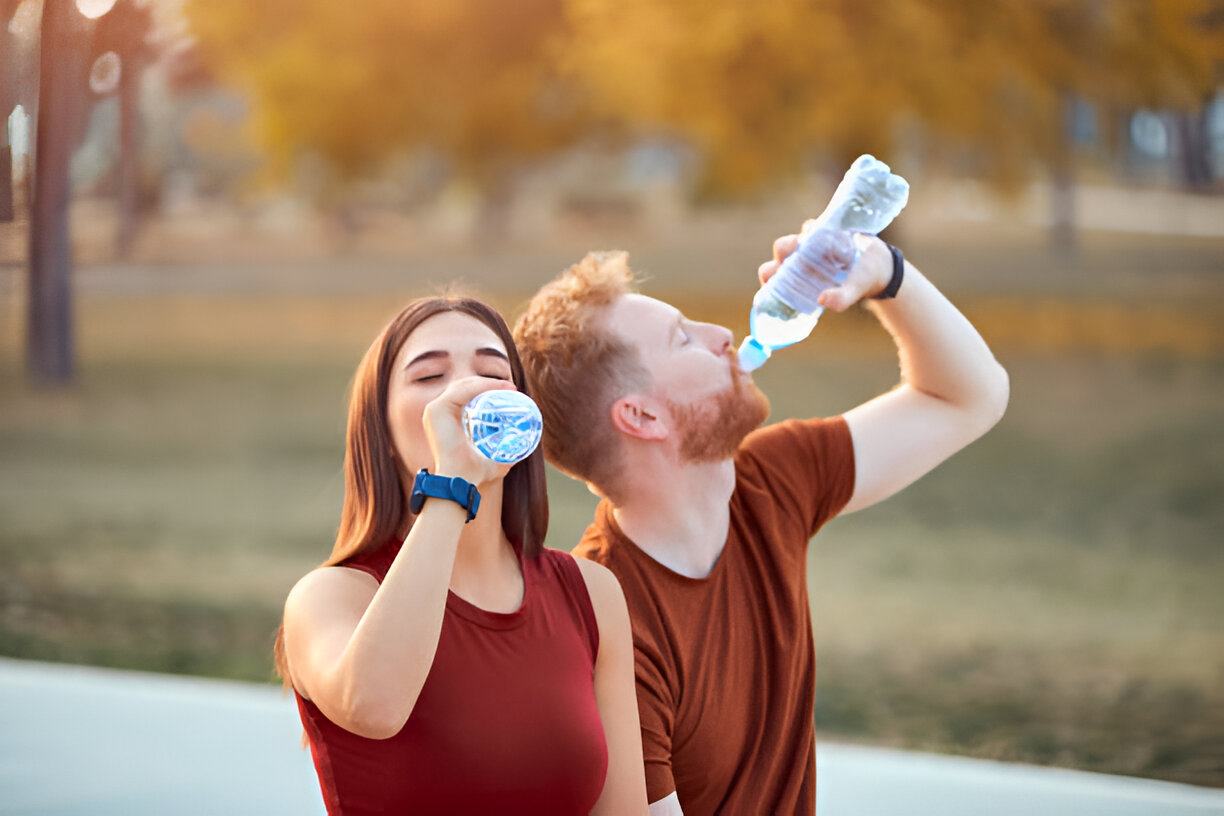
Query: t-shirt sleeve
x=806 y=466
x=657 y=714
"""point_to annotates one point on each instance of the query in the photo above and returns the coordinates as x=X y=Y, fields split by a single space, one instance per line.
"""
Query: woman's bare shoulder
x=604 y=589
x=323 y=586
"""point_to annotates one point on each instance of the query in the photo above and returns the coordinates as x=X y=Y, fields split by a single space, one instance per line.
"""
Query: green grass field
x=1054 y=594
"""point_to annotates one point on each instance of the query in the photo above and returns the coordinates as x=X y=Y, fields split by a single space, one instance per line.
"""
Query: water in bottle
x=786 y=308
x=505 y=426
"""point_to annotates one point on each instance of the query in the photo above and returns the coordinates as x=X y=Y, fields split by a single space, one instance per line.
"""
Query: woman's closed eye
x=437 y=377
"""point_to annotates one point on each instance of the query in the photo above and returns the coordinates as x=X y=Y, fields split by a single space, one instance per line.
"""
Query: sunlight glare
x=105 y=73
x=26 y=20
x=94 y=8
x=19 y=131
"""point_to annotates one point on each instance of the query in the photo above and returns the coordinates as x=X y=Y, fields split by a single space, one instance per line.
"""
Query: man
x=706 y=521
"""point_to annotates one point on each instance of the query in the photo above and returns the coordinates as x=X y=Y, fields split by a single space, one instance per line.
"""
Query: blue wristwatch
x=460 y=491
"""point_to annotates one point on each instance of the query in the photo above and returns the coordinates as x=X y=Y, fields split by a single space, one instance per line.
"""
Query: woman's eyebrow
x=489 y=351
x=426 y=355
x=486 y=351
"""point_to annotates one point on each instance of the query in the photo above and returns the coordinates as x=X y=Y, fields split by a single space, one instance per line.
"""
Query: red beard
x=711 y=430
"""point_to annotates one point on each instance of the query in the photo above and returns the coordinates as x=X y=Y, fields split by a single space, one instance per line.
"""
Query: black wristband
x=894 y=285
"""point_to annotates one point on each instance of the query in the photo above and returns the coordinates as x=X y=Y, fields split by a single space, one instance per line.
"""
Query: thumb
x=840 y=298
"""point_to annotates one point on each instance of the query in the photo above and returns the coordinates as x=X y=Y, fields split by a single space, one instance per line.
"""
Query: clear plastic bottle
x=786 y=308
x=505 y=426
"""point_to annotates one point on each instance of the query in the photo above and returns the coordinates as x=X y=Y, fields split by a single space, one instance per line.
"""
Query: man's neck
x=680 y=516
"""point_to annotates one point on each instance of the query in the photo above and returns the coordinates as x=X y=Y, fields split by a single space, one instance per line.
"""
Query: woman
x=445 y=663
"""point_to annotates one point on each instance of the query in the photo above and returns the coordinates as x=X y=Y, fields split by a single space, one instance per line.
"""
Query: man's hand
x=869 y=275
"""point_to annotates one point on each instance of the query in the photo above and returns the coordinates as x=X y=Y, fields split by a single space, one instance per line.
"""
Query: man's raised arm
x=952 y=389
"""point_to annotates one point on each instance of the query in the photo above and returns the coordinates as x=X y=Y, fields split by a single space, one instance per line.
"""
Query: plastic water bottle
x=786 y=308
x=505 y=426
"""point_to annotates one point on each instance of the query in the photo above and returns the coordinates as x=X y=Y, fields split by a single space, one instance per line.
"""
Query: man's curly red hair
x=577 y=368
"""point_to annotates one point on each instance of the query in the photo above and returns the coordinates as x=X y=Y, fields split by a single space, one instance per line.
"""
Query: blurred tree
x=8 y=47
x=7 y=210
x=63 y=106
x=472 y=81
x=18 y=79
x=760 y=88
x=78 y=62
x=124 y=32
x=756 y=87
x=1124 y=54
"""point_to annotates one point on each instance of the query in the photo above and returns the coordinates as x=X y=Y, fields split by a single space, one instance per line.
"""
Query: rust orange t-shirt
x=725 y=666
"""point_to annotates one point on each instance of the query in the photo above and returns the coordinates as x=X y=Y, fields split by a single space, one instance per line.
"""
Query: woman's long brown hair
x=374 y=509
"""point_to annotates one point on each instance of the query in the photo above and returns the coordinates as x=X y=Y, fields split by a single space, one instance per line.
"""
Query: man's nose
x=719 y=337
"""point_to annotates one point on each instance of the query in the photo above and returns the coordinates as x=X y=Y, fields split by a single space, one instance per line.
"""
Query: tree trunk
x=7 y=211
x=492 y=225
x=63 y=100
x=1194 y=150
x=1062 y=208
x=1062 y=183
x=128 y=181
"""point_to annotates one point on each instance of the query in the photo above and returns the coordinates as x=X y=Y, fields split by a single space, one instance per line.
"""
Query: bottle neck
x=752 y=354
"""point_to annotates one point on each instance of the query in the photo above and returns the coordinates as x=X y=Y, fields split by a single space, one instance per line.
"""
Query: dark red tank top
x=506 y=722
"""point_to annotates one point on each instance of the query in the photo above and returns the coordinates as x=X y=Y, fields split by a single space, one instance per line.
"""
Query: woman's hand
x=453 y=452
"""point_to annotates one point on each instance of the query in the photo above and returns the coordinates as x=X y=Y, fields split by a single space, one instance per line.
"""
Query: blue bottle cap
x=752 y=355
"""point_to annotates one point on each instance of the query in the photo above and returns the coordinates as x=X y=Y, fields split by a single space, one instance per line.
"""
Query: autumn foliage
x=759 y=89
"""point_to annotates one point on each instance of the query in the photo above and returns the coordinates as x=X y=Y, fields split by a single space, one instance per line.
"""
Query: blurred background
x=209 y=208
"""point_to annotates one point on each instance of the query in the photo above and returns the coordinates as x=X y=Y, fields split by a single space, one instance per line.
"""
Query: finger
x=460 y=392
x=452 y=450
x=840 y=298
x=831 y=300
x=767 y=270
x=785 y=246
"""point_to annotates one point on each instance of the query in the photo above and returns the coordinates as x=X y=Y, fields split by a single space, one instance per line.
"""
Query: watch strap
x=894 y=284
x=460 y=491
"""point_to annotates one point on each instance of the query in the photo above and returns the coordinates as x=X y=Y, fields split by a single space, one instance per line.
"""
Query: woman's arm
x=362 y=651
x=616 y=694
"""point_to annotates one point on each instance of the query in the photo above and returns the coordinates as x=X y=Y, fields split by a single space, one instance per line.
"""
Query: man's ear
x=637 y=416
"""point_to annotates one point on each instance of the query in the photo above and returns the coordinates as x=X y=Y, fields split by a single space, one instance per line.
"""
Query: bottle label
x=821 y=262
